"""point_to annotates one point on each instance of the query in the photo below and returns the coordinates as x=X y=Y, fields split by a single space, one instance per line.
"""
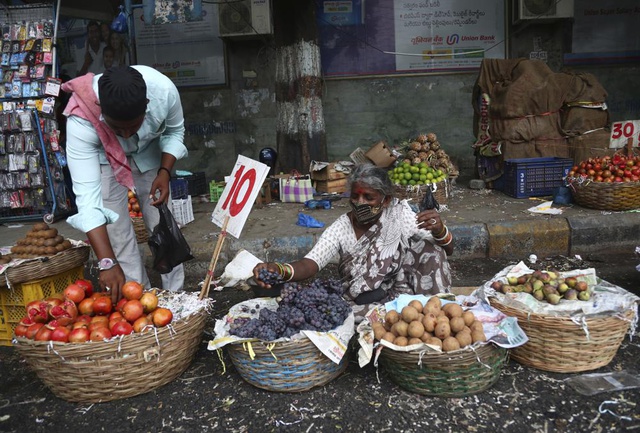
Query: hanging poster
x=190 y=53
x=604 y=31
x=377 y=37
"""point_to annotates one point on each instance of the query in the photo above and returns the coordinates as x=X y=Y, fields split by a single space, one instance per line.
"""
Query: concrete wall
x=241 y=118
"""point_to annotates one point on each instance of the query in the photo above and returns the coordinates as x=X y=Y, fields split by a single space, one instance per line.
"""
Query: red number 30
x=622 y=129
x=233 y=201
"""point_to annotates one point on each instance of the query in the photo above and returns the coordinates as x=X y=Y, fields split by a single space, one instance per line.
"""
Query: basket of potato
x=438 y=349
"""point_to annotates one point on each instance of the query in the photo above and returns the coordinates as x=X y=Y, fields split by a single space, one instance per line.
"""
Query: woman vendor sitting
x=385 y=248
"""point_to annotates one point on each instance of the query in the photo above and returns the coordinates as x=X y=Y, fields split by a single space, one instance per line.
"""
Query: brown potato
x=464 y=339
x=378 y=330
x=450 y=344
x=457 y=324
x=468 y=317
x=435 y=301
x=443 y=330
x=416 y=329
x=476 y=325
x=478 y=335
x=392 y=317
x=434 y=341
x=416 y=304
x=389 y=337
x=400 y=341
x=409 y=314
x=413 y=341
x=452 y=309
x=429 y=322
x=400 y=329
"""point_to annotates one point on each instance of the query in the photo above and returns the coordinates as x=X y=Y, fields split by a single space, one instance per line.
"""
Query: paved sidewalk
x=486 y=224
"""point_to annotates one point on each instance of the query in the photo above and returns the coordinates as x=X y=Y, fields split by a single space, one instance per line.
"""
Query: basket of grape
x=292 y=343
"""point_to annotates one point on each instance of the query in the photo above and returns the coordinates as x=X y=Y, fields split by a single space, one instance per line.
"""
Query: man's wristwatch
x=106 y=264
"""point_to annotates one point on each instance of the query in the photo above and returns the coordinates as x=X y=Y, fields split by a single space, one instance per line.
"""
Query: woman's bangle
x=442 y=233
x=280 y=269
x=291 y=271
x=439 y=238
x=165 y=169
x=446 y=241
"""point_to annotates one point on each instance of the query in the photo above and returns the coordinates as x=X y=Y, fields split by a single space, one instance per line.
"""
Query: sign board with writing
x=377 y=37
x=190 y=53
x=239 y=195
x=621 y=132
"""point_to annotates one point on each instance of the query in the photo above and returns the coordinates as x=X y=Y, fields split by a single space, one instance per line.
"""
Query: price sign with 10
x=239 y=194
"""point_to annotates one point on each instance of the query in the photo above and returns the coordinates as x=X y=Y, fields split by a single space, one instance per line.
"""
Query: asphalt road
x=212 y=396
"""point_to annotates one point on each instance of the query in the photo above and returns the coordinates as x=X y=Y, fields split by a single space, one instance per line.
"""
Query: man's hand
x=112 y=281
x=160 y=185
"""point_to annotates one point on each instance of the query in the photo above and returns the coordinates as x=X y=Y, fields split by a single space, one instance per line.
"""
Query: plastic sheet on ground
x=332 y=344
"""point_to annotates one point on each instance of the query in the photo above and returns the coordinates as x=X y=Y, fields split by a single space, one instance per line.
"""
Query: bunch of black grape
x=317 y=307
x=269 y=277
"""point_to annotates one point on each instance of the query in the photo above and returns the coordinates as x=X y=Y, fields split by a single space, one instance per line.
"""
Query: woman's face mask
x=365 y=213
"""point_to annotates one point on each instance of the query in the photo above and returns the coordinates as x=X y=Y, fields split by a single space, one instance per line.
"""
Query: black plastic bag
x=168 y=246
x=429 y=201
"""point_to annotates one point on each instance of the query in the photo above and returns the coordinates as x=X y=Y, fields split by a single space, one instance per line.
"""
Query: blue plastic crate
x=197 y=183
x=533 y=177
x=179 y=188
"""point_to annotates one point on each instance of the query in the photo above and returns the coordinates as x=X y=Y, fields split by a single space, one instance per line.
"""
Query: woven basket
x=46 y=266
x=416 y=192
x=95 y=372
x=607 y=196
x=559 y=345
x=290 y=366
x=142 y=236
x=445 y=374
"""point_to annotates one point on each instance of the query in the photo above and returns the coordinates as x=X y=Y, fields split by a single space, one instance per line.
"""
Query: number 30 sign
x=239 y=195
x=622 y=131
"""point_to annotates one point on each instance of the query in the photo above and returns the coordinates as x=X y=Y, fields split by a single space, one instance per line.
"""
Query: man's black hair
x=123 y=93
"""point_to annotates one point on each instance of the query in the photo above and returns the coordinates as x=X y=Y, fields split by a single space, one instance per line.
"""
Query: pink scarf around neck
x=84 y=104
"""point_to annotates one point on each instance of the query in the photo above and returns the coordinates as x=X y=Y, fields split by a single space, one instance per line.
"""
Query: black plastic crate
x=533 y=177
x=179 y=188
x=197 y=183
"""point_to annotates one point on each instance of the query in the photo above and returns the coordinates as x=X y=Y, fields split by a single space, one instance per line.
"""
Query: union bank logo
x=453 y=39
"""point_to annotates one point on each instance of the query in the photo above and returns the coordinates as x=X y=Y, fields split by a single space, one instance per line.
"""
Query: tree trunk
x=300 y=130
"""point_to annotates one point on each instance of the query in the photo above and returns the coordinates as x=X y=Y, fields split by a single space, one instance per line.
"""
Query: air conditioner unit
x=245 y=18
x=542 y=9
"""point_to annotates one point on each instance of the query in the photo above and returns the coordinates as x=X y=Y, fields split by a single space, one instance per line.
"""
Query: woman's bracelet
x=289 y=266
x=442 y=235
x=165 y=169
x=446 y=241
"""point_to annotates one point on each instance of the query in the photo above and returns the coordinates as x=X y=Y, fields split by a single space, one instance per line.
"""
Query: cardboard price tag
x=621 y=132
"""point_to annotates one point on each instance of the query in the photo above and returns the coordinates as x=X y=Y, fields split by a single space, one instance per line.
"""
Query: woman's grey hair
x=374 y=177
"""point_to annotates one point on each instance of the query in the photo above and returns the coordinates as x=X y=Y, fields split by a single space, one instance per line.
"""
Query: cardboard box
x=329 y=172
x=381 y=154
x=337 y=186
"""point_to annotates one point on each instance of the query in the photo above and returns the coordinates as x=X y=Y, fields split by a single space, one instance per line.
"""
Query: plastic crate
x=182 y=210
x=179 y=188
x=215 y=190
x=533 y=177
x=197 y=183
x=14 y=300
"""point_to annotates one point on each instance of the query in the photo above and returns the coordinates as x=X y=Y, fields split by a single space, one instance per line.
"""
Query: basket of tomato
x=607 y=182
x=85 y=349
